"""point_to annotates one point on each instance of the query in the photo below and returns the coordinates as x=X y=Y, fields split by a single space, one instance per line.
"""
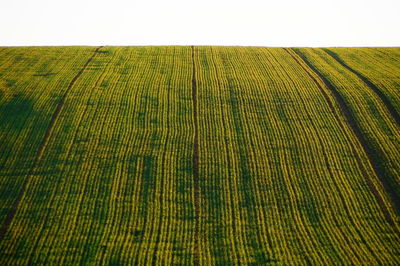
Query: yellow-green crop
x=199 y=155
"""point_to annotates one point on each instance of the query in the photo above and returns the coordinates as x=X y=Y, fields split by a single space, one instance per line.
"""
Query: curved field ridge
x=373 y=87
x=199 y=155
x=379 y=171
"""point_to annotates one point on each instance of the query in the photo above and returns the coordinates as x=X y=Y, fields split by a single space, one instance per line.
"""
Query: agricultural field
x=199 y=155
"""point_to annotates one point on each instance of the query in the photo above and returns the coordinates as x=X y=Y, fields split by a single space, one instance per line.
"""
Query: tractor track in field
x=39 y=153
x=369 y=84
x=195 y=164
x=349 y=118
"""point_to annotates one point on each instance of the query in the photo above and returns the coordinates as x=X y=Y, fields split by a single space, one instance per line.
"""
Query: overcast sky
x=204 y=22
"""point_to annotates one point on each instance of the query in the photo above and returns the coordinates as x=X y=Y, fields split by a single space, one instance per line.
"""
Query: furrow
x=372 y=86
x=345 y=111
x=195 y=163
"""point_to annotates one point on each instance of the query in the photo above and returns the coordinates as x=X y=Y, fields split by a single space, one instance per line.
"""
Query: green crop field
x=199 y=155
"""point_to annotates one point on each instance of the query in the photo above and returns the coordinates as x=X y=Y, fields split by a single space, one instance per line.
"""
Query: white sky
x=202 y=22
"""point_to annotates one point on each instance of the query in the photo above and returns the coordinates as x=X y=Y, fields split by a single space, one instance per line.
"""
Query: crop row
x=197 y=155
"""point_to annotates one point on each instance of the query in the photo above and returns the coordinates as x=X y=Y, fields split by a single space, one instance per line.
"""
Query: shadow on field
x=21 y=126
x=14 y=113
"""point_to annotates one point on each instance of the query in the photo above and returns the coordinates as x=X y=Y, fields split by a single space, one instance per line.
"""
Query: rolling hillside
x=199 y=155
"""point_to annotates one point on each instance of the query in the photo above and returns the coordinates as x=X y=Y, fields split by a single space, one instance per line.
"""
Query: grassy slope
x=281 y=175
